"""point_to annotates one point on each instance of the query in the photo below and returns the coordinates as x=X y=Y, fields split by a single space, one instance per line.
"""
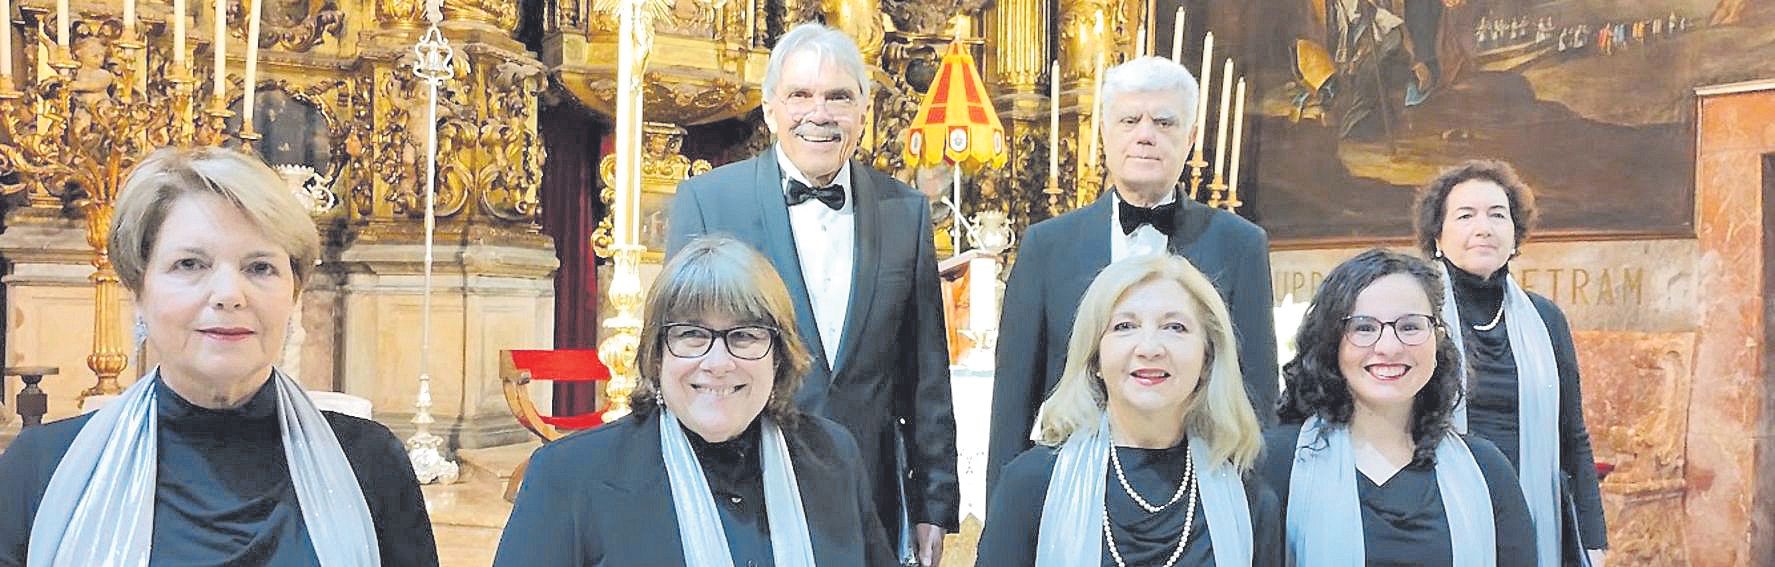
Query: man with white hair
x=1148 y=115
x=854 y=247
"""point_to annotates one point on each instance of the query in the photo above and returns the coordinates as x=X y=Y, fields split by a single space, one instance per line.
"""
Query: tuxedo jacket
x=602 y=497
x=892 y=366
x=1056 y=261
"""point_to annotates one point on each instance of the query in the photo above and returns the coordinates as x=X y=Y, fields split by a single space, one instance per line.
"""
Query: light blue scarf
x=699 y=524
x=1325 y=514
x=99 y=506
x=1072 y=515
x=1537 y=417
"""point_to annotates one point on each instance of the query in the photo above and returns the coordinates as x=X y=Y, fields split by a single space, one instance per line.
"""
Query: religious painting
x=1360 y=102
x=296 y=140
x=656 y=208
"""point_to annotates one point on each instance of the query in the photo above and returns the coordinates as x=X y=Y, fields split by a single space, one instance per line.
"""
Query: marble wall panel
x=1728 y=424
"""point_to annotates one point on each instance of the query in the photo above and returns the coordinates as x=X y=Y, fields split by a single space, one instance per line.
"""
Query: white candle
x=1177 y=37
x=61 y=22
x=1140 y=38
x=252 y=77
x=129 y=15
x=178 y=18
x=1053 y=123
x=1232 y=180
x=1096 y=113
x=220 y=47
x=6 y=42
x=982 y=293
x=1226 y=99
x=1202 y=91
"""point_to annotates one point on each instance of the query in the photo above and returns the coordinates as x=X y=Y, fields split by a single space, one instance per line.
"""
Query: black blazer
x=1057 y=260
x=893 y=359
x=601 y=497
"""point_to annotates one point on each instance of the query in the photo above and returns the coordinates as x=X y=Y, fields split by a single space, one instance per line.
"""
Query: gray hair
x=1153 y=74
x=831 y=45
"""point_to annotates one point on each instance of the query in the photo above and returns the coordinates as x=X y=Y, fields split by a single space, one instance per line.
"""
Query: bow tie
x=1163 y=217
x=831 y=195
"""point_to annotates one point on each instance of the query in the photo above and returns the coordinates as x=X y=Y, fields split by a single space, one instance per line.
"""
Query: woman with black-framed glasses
x=716 y=466
x=1366 y=462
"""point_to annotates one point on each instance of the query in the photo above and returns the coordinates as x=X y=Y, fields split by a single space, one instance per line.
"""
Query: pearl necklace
x=1189 y=520
x=1494 y=320
x=1144 y=505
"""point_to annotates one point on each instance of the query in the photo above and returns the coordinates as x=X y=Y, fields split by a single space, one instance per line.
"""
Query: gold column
x=1017 y=61
x=1086 y=28
x=862 y=20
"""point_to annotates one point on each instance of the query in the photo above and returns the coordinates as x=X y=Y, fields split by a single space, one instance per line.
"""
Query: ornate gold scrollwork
x=502 y=14
x=296 y=26
x=488 y=149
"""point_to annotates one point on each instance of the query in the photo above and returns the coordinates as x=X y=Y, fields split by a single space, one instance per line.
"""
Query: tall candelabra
x=433 y=64
x=76 y=129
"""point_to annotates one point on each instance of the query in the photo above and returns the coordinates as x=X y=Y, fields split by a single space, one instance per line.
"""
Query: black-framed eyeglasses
x=1412 y=329
x=745 y=342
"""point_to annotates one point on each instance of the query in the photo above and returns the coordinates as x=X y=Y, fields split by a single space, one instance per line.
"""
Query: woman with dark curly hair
x=1366 y=462
x=1522 y=376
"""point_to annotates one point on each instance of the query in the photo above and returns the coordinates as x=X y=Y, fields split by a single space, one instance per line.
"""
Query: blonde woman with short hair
x=1145 y=446
x=215 y=457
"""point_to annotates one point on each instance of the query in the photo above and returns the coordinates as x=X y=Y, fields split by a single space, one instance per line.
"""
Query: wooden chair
x=517 y=368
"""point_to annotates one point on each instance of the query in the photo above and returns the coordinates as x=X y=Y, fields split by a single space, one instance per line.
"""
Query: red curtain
x=570 y=210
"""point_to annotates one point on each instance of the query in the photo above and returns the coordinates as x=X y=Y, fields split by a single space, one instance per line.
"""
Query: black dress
x=602 y=497
x=223 y=494
x=1404 y=522
x=1492 y=401
x=1014 y=515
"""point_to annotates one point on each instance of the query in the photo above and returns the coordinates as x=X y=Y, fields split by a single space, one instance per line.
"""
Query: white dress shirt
x=1144 y=240
x=825 y=243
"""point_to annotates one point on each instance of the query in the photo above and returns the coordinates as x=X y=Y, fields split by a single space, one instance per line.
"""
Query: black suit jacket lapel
x=641 y=489
x=767 y=191
x=1192 y=220
x=864 y=261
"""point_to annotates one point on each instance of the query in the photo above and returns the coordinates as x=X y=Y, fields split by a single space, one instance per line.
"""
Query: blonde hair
x=1218 y=412
x=717 y=275
x=170 y=174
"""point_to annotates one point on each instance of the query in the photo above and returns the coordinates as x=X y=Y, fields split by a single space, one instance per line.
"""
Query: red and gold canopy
x=956 y=122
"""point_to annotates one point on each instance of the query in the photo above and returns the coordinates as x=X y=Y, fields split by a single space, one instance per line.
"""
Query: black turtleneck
x=1492 y=389
x=736 y=479
x=223 y=494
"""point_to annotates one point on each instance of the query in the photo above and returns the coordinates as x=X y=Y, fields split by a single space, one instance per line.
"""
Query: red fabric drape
x=570 y=210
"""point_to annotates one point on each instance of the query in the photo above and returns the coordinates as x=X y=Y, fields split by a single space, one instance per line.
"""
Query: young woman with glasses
x=1366 y=462
x=716 y=466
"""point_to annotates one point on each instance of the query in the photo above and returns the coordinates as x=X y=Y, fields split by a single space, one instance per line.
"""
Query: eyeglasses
x=690 y=340
x=1412 y=330
x=803 y=102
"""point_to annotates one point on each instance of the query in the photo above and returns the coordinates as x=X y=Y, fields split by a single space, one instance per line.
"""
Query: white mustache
x=812 y=130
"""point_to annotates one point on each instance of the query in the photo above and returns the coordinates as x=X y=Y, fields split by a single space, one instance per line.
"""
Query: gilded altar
x=340 y=114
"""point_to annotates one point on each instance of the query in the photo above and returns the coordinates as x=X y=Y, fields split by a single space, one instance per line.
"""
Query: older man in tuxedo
x=854 y=246
x=1148 y=115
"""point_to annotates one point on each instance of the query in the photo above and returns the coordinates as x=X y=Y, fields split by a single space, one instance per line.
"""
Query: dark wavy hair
x=1431 y=207
x=1315 y=385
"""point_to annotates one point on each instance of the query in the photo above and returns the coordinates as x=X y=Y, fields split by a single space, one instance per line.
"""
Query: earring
x=141 y=331
x=658 y=400
x=1438 y=252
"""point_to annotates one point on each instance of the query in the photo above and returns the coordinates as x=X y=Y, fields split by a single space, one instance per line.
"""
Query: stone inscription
x=1617 y=285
